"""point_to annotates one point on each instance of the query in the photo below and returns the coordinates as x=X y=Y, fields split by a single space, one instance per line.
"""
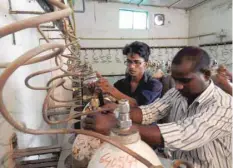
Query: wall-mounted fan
x=159 y=19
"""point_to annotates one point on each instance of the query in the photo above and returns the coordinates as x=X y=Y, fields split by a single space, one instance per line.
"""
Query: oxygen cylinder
x=108 y=156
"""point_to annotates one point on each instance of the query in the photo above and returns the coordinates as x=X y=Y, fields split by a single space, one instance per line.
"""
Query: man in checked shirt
x=198 y=115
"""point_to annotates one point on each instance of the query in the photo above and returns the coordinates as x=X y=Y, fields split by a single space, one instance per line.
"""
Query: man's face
x=136 y=65
x=189 y=84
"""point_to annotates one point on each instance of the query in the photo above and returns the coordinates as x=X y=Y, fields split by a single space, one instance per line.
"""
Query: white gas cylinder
x=109 y=156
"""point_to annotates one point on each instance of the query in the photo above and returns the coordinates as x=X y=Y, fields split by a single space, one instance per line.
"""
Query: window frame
x=134 y=11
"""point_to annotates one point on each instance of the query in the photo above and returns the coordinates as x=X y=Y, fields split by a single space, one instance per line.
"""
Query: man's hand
x=99 y=122
x=109 y=106
x=221 y=79
x=103 y=84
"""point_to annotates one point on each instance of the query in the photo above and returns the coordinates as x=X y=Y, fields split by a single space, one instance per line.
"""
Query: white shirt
x=199 y=133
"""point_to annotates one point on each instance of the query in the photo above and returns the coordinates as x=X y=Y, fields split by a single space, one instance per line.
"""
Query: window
x=131 y=19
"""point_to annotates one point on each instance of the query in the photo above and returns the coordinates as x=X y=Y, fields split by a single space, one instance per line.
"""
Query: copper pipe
x=55 y=38
x=64 y=105
x=35 y=21
x=73 y=116
x=62 y=112
x=28 y=58
x=50 y=30
x=55 y=78
x=40 y=73
x=26 y=12
x=44 y=47
x=4 y=77
x=42 y=34
x=67 y=88
x=64 y=101
x=70 y=57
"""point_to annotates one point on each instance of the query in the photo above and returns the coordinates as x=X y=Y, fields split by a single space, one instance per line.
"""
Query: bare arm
x=221 y=81
x=106 y=87
x=103 y=123
x=136 y=115
x=227 y=88
x=150 y=134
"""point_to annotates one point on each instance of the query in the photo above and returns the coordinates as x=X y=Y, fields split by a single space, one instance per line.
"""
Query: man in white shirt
x=198 y=115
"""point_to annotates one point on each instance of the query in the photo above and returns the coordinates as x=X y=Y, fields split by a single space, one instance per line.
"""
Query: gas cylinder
x=108 y=156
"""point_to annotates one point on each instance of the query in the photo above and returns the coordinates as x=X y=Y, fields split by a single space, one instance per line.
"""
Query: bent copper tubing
x=42 y=34
x=4 y=77
x=35 y=21
x=48 y=41
x=70 y=57
x=67 y=31
x=50 y=70
x=58 y=67
x=64 y=105
x=43 y=58
x=27 y=58
x=64 y=101
x=73 y=116
x=55 y=78
x=66 y=88
x=26 y=81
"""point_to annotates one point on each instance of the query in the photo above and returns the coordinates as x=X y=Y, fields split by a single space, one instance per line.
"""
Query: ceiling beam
x=198 y=4
x=174 y=3
x=140 y=2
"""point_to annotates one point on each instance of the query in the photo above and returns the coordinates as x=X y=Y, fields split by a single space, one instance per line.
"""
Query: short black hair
x=199 y=57
x=140 y=48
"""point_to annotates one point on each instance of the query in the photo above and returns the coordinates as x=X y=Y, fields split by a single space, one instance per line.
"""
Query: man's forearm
x=136 y=115
x=227 y=87
x=150 y=134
